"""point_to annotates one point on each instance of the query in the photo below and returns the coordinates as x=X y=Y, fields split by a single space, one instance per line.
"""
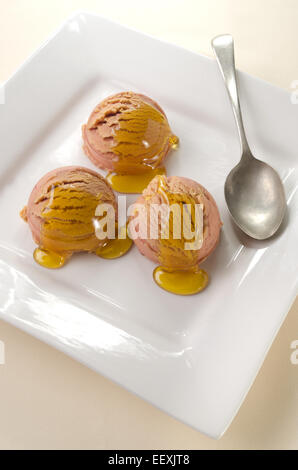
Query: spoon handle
x=223 y=47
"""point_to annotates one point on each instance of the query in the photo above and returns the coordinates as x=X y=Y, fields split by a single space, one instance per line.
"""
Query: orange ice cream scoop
x=173 y=244
x=129 y=134
x=61 y=210
x=176 y=224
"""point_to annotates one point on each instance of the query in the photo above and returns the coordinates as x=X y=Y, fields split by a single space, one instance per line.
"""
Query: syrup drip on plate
x=111 y=249
x=181 y=282
x=123 y=183
x=50 y=259
x=116 y=247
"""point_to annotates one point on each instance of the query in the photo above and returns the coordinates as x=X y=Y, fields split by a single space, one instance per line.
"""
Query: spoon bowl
x=254 y=192
x=255 y=198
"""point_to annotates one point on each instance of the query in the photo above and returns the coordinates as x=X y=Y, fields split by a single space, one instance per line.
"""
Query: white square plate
x=193 y=357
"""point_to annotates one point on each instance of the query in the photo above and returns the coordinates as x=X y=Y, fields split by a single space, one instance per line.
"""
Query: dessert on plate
x=63 y=213
x=176 y=224
x=128 y=135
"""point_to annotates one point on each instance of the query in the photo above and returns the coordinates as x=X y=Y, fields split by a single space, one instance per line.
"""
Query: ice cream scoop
x=157 y=235
x=128 y=134
x=64 y=217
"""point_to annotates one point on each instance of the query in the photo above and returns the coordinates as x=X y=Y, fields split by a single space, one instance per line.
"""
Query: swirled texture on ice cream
x=61 y=209
x=127 y=133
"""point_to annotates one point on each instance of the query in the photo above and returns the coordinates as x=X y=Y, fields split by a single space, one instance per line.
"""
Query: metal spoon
x=253 y=190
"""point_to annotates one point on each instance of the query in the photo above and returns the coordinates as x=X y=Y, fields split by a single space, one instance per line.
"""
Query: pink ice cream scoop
x=61 y=209
x=127 y=133
x=170 y=252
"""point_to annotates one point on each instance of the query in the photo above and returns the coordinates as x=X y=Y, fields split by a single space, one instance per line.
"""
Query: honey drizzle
x=123 y=183
x=69 y=221
x=50 y=259
x=181 y=280
x=141 y=138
